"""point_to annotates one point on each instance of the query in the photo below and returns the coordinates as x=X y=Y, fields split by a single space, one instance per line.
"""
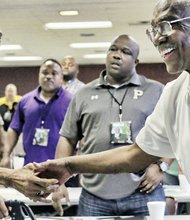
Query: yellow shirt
x=3 y=100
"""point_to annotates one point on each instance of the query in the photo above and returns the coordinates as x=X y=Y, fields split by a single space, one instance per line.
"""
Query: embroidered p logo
x=94 y=97
x=137 y=93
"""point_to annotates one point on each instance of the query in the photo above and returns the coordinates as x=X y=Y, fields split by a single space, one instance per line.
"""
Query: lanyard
x=119 y=103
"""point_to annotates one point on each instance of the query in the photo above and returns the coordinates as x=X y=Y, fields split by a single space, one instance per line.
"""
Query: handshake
x=37 y=181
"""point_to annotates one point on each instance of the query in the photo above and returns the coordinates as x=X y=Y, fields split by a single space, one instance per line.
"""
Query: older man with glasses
x=167 y=129
x=163 y=28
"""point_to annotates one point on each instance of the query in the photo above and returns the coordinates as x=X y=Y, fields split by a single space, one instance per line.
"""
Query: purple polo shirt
x=31 y=111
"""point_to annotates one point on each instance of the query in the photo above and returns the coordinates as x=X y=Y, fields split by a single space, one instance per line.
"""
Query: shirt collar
x=71 y=81
x=57 y=94
x=134 y=80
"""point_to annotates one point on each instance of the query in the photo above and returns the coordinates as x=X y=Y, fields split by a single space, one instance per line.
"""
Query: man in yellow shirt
x=8 y=104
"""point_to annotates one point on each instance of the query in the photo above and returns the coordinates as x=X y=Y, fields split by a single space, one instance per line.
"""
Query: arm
x=10 y=142
x=65 y=147
x=122 y=159
x=2 y=140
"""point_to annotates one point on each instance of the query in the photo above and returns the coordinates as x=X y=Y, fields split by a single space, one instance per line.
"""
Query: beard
x=68 y=77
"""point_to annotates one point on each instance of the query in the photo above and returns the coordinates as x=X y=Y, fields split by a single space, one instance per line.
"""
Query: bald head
x=121 y=59
x=132 y=43
x=10 y=92
x=70 y=58
x=70 y=68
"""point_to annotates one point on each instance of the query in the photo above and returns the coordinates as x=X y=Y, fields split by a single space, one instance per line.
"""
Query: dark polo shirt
x=89 y=117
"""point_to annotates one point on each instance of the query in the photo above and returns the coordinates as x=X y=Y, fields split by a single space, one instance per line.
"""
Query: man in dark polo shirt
x=39 y=116
x=108 y=113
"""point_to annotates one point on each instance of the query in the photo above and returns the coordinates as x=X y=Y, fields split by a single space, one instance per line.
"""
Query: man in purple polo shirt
x=39 y=116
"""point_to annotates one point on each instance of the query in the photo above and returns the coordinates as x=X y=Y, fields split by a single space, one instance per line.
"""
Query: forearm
x=65 y=148
x=11 y=139
x=5 y=176
x=121 y=159
x=2 y=138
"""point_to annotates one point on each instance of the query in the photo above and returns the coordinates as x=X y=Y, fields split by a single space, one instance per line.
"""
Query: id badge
x=7 y=116
x=121 y=132
x=41 y=137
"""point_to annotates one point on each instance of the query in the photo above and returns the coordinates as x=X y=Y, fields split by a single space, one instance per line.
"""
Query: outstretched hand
x=61 y=193
x=53 y=169
x=25 y=181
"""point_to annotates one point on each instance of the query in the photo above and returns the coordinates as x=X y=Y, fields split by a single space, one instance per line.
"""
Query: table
x=74 y=194
x=93 y=218
x=12 y=194
x=179 y=195
x=172 y=217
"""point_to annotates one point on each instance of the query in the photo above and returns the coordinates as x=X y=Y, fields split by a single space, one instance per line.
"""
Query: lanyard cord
x=119 y=103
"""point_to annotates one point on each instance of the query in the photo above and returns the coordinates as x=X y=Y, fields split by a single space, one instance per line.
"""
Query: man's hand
x=153 y=177
x=56 y=199
x=3 y=209
x=53 y=169
x=25 y=181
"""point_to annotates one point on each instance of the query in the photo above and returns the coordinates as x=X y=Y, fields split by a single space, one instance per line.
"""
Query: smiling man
x=166 y=131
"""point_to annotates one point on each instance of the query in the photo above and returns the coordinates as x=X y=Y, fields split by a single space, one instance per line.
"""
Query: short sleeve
x=70 y=126
x=153 y=138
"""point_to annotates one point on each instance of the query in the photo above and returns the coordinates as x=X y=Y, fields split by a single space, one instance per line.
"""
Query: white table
x=12 y=194
x=177 y=193
x=174 y=217
x=74 y=194
x=91 y=218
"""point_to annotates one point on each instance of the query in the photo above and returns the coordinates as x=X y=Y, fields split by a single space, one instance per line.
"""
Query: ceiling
x=22 y=22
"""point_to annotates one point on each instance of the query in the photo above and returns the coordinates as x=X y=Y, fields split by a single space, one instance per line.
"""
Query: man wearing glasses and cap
x=166 y=132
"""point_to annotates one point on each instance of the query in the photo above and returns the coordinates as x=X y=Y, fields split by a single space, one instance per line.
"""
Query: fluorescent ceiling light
x=20 y=58
x=10 y=47
x=78 y=25
x=90 y=45
x=95 y=56
x=69 y=13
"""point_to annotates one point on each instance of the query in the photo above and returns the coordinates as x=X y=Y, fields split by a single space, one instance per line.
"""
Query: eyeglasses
x=164 y=28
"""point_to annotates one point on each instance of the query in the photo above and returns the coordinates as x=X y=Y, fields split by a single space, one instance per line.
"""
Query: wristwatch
x=162 y=165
